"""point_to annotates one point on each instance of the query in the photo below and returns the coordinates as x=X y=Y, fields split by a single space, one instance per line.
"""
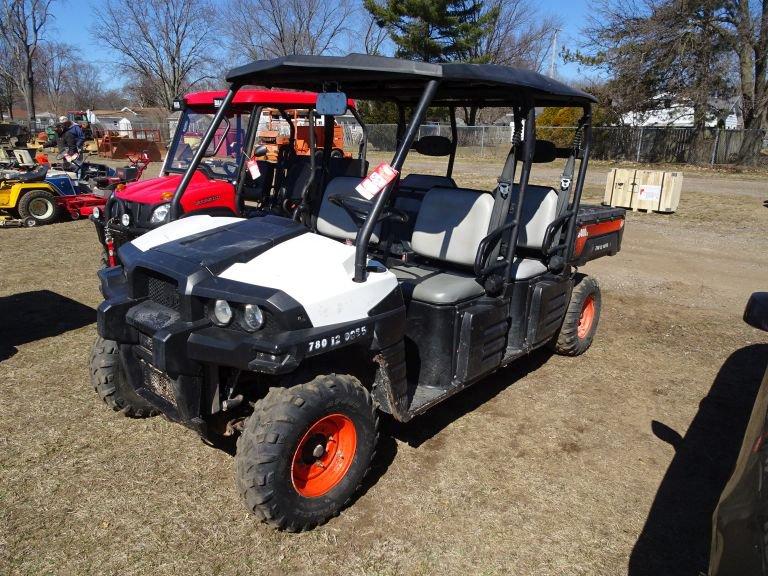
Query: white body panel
x=181 y=229
x=318 y=273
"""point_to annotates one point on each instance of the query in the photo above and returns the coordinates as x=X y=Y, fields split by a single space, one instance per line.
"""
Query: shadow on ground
x=676 y=537
x=424 y=427
x=31 y=316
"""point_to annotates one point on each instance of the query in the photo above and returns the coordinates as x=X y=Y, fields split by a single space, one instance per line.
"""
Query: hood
x=160 y=189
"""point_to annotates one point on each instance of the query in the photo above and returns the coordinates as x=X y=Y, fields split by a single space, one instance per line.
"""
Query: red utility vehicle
x=221 y=185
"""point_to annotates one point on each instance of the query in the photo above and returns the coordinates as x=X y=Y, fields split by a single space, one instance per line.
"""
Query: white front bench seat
x=332 y=220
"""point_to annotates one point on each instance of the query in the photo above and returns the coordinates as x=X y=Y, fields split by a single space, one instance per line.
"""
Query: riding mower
x=41 y=195
x=377 y=295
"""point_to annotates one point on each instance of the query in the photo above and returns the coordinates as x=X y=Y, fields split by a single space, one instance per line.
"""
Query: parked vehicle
x=291 y=128
x=104 y=177
x=739 y=531
x=221 y=184
x=14 y=135
x=41 y=195
x=379 y=295
x=44 y=193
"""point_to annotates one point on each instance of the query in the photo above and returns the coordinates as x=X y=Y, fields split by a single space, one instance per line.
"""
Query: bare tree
x=375 y=36
x=22 y=25
x=285 y=27
x=55 y=63
x=520 y=35
x=746 y=27
x=167 y=42
x=659 y=50
x=84 y=85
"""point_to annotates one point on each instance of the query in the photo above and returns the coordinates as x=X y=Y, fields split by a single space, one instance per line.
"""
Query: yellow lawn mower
x=41 y=195
x=28 y=197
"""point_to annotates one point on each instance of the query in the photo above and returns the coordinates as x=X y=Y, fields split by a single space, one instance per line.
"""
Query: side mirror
x=756 y=312
x=331 y=103
x=260 y=150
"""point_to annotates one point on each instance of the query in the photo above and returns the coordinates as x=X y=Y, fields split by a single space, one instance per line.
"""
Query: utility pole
x=554 y=54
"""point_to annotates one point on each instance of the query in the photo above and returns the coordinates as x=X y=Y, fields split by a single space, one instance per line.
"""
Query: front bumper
x=175 y=362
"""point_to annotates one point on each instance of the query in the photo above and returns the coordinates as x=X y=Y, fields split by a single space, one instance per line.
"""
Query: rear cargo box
x=599 y=232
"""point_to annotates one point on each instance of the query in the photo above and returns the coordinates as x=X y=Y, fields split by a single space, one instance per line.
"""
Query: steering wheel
x=359 y=209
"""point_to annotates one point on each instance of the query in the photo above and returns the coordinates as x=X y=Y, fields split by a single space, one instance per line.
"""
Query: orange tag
x=253 y=168
x=376 y=181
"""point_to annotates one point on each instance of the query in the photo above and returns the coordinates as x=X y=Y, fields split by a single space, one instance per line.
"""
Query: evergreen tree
x=432 y=30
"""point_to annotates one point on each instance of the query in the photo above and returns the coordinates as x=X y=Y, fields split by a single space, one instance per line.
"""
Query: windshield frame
x=237 y=114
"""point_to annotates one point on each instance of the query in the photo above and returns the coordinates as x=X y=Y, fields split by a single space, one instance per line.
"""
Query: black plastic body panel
x=549 y=302
x=429 y=343
x=482 y=340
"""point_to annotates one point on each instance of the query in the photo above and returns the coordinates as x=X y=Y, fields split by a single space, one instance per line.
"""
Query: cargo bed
x=599 y=232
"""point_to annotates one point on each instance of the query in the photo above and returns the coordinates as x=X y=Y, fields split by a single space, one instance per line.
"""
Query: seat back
x=423 y=182
x=297 y=173
x=257 y=190
x=346 y=167
x=333 y=220
x=451 y=223
x=539 y=211
x=36 y=175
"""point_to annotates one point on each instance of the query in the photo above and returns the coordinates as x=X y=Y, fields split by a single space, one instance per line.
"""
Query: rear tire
x=305 y=451
x=110 y=384
x=39 y=205
x=581 y=318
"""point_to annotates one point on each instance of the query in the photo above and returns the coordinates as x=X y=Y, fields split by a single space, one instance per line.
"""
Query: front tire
x=40 y=205
x=581 y=318
x=109 y=382
x=305 y=451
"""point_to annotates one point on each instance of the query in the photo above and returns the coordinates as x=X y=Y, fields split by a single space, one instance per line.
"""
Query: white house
x=680 y=114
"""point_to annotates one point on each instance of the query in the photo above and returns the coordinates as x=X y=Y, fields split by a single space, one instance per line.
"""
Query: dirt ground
x=606 y=464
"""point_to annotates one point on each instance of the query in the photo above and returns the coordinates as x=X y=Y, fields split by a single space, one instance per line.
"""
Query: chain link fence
x=616 y=143
x=621 y=143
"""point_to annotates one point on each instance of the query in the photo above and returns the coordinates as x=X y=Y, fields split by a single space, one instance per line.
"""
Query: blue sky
x=74 y=19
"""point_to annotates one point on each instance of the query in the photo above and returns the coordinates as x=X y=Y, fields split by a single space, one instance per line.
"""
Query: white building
x=680 y=115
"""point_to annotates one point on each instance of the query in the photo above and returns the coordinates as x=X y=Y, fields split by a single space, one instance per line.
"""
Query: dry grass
x=550 y=467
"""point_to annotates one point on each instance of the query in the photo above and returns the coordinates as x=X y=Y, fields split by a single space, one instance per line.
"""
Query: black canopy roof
x=381 y=78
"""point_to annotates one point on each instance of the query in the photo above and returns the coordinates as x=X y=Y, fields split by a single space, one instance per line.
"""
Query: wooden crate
x=619 y=187
x=648 y=190
x=670 y=191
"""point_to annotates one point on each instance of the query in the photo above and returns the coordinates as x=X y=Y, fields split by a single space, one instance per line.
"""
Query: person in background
x=71 y=140
x=72 y=137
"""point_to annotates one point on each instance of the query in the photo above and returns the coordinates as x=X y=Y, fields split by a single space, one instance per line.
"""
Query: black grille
x=140 y=214
x=158 y=382
x=164 y=292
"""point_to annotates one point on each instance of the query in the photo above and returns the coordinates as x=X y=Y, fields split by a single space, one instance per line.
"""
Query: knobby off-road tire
x=39 y=205
x=581 y=318
x=111 y=385
x=305 y=450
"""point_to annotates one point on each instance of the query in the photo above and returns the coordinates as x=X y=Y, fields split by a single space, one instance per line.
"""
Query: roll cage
x=414 y=87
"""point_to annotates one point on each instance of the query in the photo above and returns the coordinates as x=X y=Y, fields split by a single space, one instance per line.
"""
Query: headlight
x=160 y=214
x=253 y=317
x=125 y=220
x=96 y=213
x=222 y=313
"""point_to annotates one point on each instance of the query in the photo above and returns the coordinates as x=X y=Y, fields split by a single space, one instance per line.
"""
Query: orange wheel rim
x=587 y=317
x=324 y=455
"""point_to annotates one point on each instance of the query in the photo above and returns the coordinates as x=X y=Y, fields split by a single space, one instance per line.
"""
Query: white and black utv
x=295 y=333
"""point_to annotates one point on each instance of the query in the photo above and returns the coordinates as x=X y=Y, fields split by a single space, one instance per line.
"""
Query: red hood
x=161 y=189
